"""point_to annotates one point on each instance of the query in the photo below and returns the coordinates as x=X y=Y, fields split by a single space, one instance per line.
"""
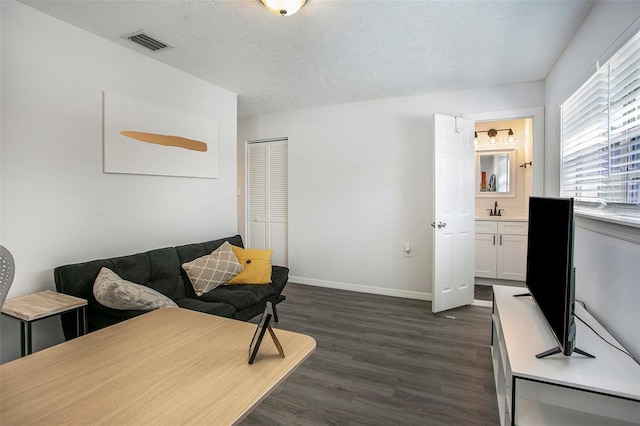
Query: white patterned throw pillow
x=114 y=292
x=210 y=271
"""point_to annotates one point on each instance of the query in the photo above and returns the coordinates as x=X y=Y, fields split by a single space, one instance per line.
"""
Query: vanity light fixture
x=283 y=7
x=492 y=136
x=493 y=133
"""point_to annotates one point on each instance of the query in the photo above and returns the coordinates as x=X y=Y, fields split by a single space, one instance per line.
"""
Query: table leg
x=29 y=341
x=23 y=349
x=25 y=338
x=82 y=321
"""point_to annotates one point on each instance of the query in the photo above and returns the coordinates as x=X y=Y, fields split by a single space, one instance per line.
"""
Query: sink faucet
x=495 y=211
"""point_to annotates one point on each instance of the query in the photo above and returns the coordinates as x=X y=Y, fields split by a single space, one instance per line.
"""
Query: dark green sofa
x=161 y=270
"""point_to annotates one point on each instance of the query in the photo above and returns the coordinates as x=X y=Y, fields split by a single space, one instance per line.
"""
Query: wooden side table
x=34 y=307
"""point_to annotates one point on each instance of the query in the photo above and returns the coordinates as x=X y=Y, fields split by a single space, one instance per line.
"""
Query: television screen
x=550 y=273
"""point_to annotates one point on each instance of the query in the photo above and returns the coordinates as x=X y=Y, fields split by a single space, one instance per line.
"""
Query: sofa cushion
x=215 y=308
x=257 y=266
x=114 y=292
x=239 y=296
x=210 y=271
x=188 y=252
x=157 y=269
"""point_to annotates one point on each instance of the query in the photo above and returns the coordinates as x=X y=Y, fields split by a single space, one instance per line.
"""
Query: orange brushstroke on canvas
x=165 y=140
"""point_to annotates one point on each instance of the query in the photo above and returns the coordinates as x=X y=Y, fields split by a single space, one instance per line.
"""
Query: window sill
x=609 y=225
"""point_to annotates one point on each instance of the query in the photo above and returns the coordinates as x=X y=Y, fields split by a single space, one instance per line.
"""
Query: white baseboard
x=484 y=303
x=375 y=290
x=362 y=288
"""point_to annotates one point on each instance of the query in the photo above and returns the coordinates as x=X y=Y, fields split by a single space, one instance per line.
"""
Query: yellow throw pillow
x=257 y=266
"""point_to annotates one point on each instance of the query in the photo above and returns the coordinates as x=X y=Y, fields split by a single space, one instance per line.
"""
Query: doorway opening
x=500 y=249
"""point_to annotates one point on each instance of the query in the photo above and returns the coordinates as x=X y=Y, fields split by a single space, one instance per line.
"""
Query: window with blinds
x=601 y=139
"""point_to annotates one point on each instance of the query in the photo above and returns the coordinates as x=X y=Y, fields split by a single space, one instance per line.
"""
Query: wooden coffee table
x=170 y=366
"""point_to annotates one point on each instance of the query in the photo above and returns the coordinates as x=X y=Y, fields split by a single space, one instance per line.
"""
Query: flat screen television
x=550 y=269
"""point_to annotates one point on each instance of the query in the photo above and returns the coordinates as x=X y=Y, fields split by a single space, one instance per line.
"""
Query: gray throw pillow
x=114 y=292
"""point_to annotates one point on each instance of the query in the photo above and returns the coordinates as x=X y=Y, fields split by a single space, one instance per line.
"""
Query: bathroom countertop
x=504 y=218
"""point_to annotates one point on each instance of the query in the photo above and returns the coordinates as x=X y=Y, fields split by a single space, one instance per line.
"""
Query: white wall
x=607 y=267
x=360 y=185
x=58 y=206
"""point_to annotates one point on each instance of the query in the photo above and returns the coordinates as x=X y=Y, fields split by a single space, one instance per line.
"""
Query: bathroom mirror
x=495 y=173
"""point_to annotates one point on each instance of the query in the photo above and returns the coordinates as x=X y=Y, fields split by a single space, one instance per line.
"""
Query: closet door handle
x=494 y=240
x=500 y=239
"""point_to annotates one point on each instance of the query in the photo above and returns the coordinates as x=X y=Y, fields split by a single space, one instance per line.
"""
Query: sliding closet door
x=268 y=198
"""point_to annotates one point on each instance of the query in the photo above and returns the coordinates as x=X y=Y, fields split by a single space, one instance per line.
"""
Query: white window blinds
x=624 y=124
x=601 y=135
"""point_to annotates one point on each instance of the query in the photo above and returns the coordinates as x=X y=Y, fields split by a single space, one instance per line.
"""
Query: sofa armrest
x=279 y=278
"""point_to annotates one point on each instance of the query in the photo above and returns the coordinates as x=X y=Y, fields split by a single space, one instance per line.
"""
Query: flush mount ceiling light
x=283 y=7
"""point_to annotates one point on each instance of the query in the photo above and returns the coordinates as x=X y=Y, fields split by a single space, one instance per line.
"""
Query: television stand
x=557 y=350
x=558 y=390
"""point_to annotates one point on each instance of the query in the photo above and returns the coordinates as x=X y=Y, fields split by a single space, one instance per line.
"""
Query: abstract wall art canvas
x=143 y=138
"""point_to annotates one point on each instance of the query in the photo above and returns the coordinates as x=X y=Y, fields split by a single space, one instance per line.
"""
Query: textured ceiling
x=339 y=51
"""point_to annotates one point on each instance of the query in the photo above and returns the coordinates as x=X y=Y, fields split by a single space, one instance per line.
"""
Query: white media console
x=558 y=390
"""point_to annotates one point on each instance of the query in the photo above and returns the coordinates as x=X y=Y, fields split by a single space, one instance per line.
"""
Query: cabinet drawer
x=486 y=227
x=512 y=228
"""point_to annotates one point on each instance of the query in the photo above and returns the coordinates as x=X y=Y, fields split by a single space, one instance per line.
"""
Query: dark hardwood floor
x=383 y=361
x=483 y=292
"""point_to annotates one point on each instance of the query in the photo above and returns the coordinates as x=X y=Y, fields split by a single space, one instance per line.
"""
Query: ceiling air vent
x=147 y=40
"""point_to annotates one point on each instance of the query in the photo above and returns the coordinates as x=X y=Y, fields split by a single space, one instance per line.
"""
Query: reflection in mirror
x=496 y=173
x=495 y=166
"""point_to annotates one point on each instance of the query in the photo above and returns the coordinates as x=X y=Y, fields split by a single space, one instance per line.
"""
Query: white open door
x=454 y=212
